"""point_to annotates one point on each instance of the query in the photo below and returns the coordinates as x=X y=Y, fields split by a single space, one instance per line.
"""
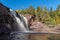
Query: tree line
x=49 y=17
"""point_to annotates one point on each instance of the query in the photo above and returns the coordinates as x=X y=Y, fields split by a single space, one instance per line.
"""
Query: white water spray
x=22 y=25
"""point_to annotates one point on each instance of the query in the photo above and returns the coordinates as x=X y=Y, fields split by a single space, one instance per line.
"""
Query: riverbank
x=41 y=27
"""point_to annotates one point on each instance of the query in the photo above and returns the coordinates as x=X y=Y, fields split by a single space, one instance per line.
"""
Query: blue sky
x=23 y=4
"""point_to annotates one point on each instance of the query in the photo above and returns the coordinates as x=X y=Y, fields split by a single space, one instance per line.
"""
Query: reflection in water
x=54 y=37
x=21 y=36
x=44 y=37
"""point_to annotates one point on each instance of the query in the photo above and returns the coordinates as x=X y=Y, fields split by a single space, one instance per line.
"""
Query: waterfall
x=22 y=25
x=10 y=21
x=21 y=21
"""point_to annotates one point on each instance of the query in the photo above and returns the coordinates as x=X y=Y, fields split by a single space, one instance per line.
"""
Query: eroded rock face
x=10 y=21
x=41 y=27
x=38 y=26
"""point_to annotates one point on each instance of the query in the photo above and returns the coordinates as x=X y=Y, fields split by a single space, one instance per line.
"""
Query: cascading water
x=22 y=26
x=21 y=21
x=10 y=21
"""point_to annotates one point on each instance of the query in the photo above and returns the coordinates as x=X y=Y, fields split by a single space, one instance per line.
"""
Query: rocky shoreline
x=41 y=27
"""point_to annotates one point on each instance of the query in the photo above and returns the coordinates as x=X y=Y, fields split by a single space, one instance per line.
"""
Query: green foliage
x=31 y=10
x=49 y=17
x=54 y=37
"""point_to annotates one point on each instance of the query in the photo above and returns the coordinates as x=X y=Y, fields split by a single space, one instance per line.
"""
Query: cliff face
x=41 y=27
